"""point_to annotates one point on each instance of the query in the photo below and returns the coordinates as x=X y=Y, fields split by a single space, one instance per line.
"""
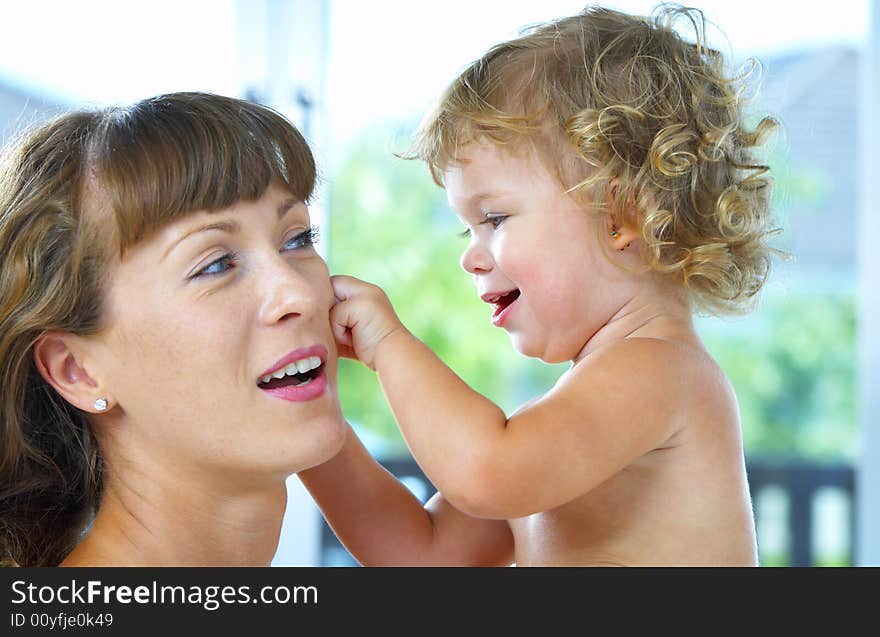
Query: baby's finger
x=340 y=319
x=344 y=344
x=343 y=336
x=346 y=351
x=344 y=287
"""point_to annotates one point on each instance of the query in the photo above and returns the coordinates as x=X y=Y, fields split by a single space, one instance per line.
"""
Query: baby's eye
x=495 y=220
x=303 y=239
x=218 y=266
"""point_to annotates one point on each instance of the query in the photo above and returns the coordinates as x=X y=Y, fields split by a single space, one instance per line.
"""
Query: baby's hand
x=361 y=319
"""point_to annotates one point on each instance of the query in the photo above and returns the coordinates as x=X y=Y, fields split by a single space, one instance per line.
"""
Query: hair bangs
x=166 y=157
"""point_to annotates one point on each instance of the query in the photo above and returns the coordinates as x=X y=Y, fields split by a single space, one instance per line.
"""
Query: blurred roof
x=815 y=95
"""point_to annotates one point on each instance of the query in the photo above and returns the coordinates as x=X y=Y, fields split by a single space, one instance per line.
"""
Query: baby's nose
x=476 y=259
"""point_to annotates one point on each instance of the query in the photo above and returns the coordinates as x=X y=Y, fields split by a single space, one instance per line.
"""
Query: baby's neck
x=183 y=529
x=666 y=318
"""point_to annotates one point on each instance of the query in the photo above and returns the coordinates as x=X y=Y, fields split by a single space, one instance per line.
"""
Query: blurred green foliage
x=792 y=365
x=792 y=362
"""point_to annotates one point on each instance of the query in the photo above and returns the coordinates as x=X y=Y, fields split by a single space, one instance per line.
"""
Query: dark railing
x=801 y=482
x=798 y=482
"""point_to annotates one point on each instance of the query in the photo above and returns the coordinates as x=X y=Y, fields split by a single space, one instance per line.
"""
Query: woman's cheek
x=318 y=274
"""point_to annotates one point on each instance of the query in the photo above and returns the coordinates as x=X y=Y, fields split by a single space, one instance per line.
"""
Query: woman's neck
x=178 y=527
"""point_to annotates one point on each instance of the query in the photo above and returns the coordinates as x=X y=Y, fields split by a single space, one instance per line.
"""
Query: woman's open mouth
x=502 y=302
x=295 y=374
x=302 y=378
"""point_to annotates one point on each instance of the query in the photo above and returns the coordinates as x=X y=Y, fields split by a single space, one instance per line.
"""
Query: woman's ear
x=59 y=358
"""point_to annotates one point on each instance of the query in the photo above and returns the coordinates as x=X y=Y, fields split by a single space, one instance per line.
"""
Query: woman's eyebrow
x=229 y=226
x=286 y=206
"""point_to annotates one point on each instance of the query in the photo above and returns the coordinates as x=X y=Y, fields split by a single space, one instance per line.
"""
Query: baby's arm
x=382 y=523
x=606 y=412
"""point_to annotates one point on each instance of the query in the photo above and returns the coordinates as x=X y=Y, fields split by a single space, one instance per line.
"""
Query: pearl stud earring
x=100 y=404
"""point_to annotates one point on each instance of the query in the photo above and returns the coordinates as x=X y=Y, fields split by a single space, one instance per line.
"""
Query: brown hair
x=610 y=96
x=150 y=163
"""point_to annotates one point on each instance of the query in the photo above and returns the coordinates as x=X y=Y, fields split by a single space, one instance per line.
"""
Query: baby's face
x=534 y=253
x=197 y=317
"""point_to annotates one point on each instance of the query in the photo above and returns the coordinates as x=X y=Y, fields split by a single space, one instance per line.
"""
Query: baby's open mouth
x=501 y=301
x=302 y=372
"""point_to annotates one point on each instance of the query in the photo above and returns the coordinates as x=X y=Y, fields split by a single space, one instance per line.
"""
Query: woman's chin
x=326 y=439
x=335 y=438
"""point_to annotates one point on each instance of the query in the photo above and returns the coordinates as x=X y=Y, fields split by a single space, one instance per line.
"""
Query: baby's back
x=686 y=502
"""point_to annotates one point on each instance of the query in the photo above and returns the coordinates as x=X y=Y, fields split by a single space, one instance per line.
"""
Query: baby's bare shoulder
x=650 y=357
x=652 y=372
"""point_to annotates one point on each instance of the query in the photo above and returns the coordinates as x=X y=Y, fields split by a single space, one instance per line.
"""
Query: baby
x=602 y=169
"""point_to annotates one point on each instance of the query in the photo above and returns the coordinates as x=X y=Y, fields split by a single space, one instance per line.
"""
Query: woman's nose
x=476 y=259
x=288 y=293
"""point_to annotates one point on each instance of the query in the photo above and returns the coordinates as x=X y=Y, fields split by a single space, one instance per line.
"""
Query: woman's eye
x=218 y=266
x=303 y=239
x=464 y=234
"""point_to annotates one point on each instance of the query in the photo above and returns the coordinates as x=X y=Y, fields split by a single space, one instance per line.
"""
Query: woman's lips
x=310 y=390
x=303 y=352
x=313 y=387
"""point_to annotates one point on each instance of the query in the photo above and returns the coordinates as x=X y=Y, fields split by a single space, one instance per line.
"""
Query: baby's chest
x=559 y=530
x=594 y=527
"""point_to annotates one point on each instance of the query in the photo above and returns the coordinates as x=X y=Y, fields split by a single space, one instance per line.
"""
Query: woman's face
x=197 y=317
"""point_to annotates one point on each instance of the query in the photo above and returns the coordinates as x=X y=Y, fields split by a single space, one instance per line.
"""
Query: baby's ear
x=60 y=360
x=623 y=226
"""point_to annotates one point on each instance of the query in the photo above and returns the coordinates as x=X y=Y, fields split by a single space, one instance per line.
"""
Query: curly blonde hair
x=610 y=97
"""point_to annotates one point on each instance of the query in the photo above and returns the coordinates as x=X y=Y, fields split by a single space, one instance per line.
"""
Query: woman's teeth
x=299 y=367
